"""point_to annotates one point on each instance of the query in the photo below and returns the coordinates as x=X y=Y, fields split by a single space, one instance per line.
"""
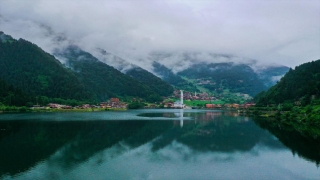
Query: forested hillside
x=219 y=76
x=102 y=80
x=12 y=96
x=29 y=75
x=27 y=67
x=270 y=75
x=300 y=85
x=154 y=82
x=168 y=76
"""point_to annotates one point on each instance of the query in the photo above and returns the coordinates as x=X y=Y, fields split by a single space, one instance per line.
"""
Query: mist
x=260 y=32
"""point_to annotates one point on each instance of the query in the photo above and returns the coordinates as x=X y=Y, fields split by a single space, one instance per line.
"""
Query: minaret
x=181 y=117
x=181 y=97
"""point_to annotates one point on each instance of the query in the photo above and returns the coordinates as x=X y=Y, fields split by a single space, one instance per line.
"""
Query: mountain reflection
x=305 y=142
x=67 y=144
x=210 y=131
x=24 y=143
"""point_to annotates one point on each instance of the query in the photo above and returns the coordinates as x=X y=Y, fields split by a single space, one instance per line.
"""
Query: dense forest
x=235 y=77
x=101 y=79
x=154 y=82
x=12 y=96
x=29 y=75
x=299 y=86
x=168 y=76
x=27 y=67
x=270 y=75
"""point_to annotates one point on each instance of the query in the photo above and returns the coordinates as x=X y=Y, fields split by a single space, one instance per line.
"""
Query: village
x=205 y=97
x=117 y=104
x=113 y=103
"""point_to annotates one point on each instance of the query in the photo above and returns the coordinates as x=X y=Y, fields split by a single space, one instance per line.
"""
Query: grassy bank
x=201 y=103
x=304 y=115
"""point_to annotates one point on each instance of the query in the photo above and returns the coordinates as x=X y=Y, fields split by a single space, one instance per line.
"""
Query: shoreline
x=62 y=110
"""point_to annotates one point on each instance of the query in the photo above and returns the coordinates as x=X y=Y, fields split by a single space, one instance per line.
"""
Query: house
x=210 y=106
x=85 y=106
x=218 y=106
x=235 y=106
x=54 y=106
x=247 y=105
x=66 y=107
x=178 y=104
x=114 y=100
x=168 y=104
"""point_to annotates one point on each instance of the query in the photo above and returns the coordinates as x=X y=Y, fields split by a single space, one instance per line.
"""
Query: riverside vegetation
x=295 y=99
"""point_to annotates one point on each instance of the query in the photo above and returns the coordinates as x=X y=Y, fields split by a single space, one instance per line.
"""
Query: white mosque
x=179 y=104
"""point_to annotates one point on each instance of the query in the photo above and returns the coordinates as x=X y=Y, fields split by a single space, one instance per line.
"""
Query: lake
x=153 y=144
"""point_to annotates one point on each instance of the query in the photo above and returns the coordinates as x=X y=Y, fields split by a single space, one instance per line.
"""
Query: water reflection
x=304 y=143
x=194 y=145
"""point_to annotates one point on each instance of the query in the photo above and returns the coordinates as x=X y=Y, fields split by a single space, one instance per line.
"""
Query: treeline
x=29 y=75
x=36 y=72
x=12 y=96
x=299 y=86
x=102 y=80
x=295 y=98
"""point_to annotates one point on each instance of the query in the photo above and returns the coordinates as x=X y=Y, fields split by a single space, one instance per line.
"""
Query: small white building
x=178 y=104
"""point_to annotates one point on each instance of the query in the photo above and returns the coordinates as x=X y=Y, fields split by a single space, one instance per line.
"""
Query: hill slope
x=271 y=75
x=101 y=79
x=26 y=66
x=168 y=76
x=12 y=96
x=300 y=84
x=215 y=73
x=155 y=83
x=218 y=76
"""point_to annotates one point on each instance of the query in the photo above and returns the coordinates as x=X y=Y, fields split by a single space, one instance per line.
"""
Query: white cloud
x=283 y=32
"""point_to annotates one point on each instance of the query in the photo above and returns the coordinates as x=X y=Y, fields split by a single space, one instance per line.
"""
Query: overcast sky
x=270 y=31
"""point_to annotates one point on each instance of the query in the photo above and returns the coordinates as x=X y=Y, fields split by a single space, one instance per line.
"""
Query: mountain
x=190 y=71
x=155 y=83
x=143 y=76
x=59 y=42
x=301 y=84
x=27 y=67
x=168 y=76
x=112 y=60
x=270 y=75
x=218 y=76
x=82 y=77
x=194 y=71
x=101 y=79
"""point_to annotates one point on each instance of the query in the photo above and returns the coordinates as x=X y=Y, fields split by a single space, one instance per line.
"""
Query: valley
x=73 y=76
x=153 y=90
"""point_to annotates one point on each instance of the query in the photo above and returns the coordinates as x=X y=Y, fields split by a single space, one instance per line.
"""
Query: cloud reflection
x=178 y=161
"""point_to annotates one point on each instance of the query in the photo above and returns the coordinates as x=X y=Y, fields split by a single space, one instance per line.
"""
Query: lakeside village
x=116 y=104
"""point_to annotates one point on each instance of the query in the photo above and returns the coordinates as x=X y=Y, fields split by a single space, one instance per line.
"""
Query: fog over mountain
x=177 y=34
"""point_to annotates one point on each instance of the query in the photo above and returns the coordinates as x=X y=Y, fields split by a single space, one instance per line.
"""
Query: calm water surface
x=153 y=144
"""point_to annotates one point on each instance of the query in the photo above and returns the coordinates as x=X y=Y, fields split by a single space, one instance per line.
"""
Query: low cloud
x=281 y=32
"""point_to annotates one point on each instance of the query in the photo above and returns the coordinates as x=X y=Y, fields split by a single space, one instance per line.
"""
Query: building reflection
x=181 y=118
